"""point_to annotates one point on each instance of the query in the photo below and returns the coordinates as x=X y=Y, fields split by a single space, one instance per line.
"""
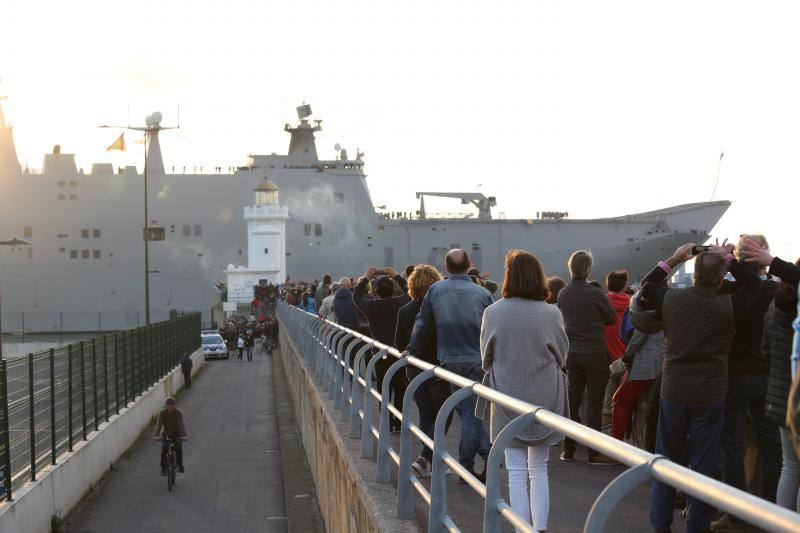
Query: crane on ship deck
x=477 y=199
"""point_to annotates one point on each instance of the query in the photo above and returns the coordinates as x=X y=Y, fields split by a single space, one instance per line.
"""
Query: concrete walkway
x=233 y=479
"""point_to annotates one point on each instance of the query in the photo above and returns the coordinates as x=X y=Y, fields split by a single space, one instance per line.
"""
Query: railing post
x=32 y=413
x=405 y=499
x=6 y=435
x=69 y=397
x=355 y=393
x=369 y=405
x=83 y=388
x=342 y=399
x=105 y=374
x=335 y=353
x=338 y=377
x=613 y=494
x=125 y=369
x=53 y=448
x=384 y=472
x=94 y=384
x=494 y=494
x=438 y=510
x=116 y=373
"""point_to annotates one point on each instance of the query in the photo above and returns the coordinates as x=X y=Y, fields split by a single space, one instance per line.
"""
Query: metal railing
x=52 y=399
x=329 y=349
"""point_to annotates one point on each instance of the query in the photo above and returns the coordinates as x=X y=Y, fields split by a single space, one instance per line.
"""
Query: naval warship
x=84 y=267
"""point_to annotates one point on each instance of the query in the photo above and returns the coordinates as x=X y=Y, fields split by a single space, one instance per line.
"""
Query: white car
x=213 y=345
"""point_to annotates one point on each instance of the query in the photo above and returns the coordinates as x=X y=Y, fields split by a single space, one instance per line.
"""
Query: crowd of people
x=245 y=336
x=705 y=361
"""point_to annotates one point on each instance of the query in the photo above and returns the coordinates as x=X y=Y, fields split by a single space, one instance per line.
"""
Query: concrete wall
x=61 y=487
x=349 y=498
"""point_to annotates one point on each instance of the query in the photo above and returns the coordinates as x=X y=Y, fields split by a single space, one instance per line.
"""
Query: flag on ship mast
x=119 y=144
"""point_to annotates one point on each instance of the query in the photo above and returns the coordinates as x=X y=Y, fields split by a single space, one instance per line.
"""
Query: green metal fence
x=51 y=400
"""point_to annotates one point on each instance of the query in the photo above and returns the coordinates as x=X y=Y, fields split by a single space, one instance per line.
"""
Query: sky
x=595 y=108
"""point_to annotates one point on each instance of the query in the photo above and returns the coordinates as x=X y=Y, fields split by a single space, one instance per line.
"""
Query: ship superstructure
x=85 y=265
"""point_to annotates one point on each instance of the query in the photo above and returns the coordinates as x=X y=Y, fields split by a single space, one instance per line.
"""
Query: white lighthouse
x=266 y=245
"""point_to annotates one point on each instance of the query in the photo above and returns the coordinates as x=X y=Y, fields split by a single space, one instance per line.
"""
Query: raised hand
x=681 y=255
x=753 y=252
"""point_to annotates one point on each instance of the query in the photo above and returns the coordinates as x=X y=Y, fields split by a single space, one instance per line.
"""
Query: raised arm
x=360 y=292
x=652 y=291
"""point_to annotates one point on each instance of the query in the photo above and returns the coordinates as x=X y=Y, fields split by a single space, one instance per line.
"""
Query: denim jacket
x=453 y=310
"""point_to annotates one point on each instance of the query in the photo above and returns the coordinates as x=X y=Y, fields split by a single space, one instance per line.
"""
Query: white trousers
x=523 y=464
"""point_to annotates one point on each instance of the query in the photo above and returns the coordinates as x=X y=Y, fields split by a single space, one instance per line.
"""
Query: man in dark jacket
x=699 y=326
x=586 y=312
x=186 y=368
x=170 y=424
x=748 y=368
x=381 y=313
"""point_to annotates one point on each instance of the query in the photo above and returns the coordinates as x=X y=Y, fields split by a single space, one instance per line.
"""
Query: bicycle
x=172 y=463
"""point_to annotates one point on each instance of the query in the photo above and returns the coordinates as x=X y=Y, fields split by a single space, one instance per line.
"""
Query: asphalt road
x=233 y=479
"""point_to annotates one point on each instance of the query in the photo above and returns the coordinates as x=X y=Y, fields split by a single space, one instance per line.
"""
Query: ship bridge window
x=307 y=229
x=95 y=254
x=73 y=196
x=73 y=254
x=84 y=254
x=28 y=232
x=96 y=233
x=338 y=197
x=84 y=234
x=62 y=183
x=62 y=196
x=317 y=230
x=198 y=231
x=62 y=249
x=73 y=183
x=187 y=231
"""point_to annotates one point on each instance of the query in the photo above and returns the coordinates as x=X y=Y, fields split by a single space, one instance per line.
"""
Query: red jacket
x=614 y=344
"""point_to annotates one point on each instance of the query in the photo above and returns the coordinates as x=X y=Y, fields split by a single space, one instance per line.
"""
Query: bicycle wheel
x=170 y=471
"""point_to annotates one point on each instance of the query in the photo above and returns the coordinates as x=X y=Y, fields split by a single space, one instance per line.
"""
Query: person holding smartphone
x=699 y=324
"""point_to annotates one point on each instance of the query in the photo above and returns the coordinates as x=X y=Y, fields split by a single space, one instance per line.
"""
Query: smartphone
x=380 y=272
x=697 y=250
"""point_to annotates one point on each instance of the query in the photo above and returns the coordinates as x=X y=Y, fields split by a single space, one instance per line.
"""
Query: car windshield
x=212 y=339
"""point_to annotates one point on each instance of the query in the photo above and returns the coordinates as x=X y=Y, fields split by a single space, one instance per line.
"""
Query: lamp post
x=151 y=129
x=12 y=242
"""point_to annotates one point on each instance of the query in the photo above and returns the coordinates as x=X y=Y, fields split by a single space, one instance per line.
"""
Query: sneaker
x=181 y=470
x=567 y=457
x=422 y=467
x=164 y=472
x=727 y=523
x=601 y=460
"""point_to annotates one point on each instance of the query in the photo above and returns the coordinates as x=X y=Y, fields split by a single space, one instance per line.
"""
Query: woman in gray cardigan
x=523 y=344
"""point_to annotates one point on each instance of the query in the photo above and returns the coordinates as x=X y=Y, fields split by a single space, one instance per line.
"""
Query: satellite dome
x=154 y=119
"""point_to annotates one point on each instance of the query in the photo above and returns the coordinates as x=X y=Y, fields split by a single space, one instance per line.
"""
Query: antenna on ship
x=152 y=158
x=719 y=167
